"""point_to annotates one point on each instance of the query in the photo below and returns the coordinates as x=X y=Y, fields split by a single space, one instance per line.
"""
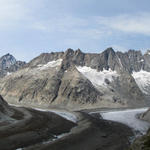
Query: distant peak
x=7 y=60
x=8 y=55
x=78 y=51
x=69 y=51
x=132 y=51
x=109 y=50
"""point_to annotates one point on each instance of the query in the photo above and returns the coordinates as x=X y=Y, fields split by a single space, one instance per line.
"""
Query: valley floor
x=43 y=129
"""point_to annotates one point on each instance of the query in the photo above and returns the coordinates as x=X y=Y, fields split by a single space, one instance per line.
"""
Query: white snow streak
x=142 y=60
x=97 y=78
x=142 y=79
x=9 y=73
x=119 y=61
x=54 y=63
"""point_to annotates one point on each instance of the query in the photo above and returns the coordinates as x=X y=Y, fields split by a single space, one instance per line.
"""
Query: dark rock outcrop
x=143 y=142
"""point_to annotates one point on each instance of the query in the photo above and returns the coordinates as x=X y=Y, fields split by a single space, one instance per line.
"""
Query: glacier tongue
x=128 y=117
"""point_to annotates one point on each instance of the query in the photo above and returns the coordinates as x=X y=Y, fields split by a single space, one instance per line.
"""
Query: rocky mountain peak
x=72 y=58
x=69 y=52
x=108 y=59
x=6 y=61
x=109 y=53
x=134 y=53
x=78 y=51
x=109 y=50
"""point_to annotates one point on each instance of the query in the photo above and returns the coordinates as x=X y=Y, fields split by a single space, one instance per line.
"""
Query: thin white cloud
x=24 y=13
x=17 y=12
x=11 y=11
x=77 y=27
x=138 y=23
x=61 y=23
x=97 y=27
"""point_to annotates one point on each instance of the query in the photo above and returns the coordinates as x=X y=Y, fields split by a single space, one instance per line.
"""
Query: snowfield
x=97 y=78
x=142 y=79
x=54 y=63
x=129 y=118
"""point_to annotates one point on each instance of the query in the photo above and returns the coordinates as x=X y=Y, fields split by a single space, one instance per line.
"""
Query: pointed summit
x=8 y=63
x=109 y=50
x=7 y=60
x=69 y=50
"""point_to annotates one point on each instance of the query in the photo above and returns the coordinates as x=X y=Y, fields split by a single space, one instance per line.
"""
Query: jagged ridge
x=54 y=79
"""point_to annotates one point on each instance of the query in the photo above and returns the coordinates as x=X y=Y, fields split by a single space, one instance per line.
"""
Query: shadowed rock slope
x=91 y=134
x=22 y=127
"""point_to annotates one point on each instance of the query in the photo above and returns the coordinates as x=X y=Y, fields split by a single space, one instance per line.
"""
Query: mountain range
x=77 y=80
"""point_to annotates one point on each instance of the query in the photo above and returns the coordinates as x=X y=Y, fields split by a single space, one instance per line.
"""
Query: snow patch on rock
x=142 y=60
x=98 y=78
x=52 y=64
x=142 y=79
x=9 y=73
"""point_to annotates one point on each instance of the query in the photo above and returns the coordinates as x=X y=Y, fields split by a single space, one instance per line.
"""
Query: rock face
x=3 y=105
x=76 y=79
x=146 y=116
x=141 y=143
x=9 y=64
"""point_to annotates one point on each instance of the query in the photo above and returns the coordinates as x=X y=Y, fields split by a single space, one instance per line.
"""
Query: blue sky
x=30 y=27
